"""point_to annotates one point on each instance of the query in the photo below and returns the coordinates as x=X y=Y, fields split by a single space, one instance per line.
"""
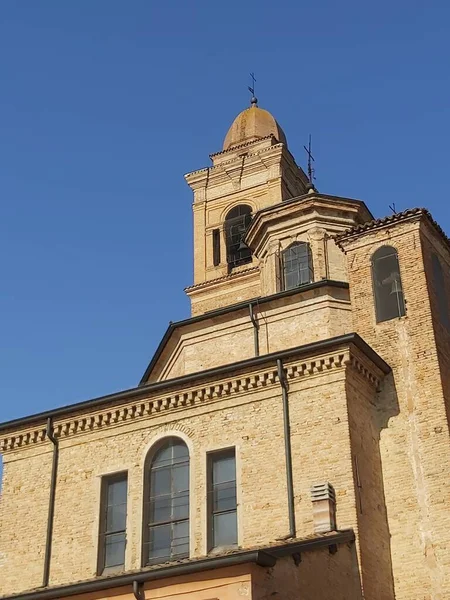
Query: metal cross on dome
x=251 y=89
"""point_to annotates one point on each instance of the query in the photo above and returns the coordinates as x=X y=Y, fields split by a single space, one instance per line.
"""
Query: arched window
x=236 y=224
x=297 y=265
x=439 y=288
x=166 y=503
x=387 y=284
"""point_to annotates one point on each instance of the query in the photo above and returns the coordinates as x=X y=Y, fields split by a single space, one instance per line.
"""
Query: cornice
x=246 y=144
x=218 y=280
x=304 y=209
x=213 y=169
x=411 y=214
x=173 y=395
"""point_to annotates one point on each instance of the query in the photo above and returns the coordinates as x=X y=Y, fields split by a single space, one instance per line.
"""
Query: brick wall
x=414 y=439
x=248 y=417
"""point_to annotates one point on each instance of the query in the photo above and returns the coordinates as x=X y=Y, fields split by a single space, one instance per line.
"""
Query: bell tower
x=254 y=170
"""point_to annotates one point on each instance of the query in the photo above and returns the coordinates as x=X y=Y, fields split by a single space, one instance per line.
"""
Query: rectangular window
x=222 y=503
x=216 y=246
x=113 y=518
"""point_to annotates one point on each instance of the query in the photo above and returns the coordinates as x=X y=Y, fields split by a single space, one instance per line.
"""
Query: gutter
x=51 y=504
x=144 y=390
x=265 y=558
x=135 y=580
x=287 y=448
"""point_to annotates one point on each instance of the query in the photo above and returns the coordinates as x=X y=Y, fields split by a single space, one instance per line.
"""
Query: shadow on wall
x=374 y=533
x=318 y=574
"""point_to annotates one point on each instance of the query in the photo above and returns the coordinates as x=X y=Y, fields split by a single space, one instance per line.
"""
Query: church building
x=288 y=441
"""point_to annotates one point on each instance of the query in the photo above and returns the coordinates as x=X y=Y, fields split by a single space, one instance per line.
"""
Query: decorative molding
x=178 y=399
x=230 y=277
x=219 y=167
x=365 y=372
x=245 y=144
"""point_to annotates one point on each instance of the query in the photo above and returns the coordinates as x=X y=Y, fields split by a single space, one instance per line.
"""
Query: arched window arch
x=439 y=288
x=297 y=265
x=236 y=224
x=387 y=284
x=166 y=502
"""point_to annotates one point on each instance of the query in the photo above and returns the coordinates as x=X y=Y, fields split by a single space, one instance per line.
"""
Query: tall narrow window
x=297 y=265
x=441 y=295
x=113 y=517
x=236 y=225
x=216 y=246
x=387 y=284
x=222 y=503
x=166 y=503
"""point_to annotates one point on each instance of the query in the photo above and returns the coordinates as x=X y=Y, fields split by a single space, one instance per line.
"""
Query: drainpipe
x=287 y=448
x=137 y=590
x=51 y=506
x=255 y=328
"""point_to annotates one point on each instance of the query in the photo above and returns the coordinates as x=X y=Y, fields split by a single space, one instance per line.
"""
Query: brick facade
x=369 y=407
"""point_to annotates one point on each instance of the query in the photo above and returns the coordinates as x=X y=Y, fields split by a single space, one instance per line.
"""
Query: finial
x=251 y=89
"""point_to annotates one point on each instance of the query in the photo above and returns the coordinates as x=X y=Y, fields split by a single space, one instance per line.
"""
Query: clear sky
x=105 y=104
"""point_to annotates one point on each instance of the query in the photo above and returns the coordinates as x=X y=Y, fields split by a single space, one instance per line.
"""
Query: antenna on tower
x=311 y=169
x=392 y=207
x=251 y=89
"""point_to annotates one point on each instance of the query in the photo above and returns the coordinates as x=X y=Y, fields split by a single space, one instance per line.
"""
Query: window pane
x=115 y=550
x=180 y=479
x=297 y=263
x=180 y=506
x=225 y=529
x=224 y=469
x=180 y=543
x=161 y=482
x=161 y=509
x=117 y=492
x=116 y=517
x=224 y=496
x=159 y=546
x=180 y=451
x=163 y=456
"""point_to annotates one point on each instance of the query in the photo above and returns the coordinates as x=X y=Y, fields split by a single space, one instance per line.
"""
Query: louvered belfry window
x=387 y=284
x=440 y=291
x=237 y=222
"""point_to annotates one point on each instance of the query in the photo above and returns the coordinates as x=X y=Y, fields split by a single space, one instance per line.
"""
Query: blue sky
x=105 y=105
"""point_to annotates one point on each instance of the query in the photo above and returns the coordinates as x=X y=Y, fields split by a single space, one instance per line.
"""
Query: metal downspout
x=51 y=506
x=137 y=590
x=287 y=448
x=255 y=328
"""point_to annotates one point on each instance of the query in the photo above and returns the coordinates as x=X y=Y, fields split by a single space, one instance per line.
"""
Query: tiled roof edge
x=391 y=220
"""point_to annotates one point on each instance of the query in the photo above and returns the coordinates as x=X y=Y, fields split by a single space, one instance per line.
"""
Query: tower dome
x=252 y=124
